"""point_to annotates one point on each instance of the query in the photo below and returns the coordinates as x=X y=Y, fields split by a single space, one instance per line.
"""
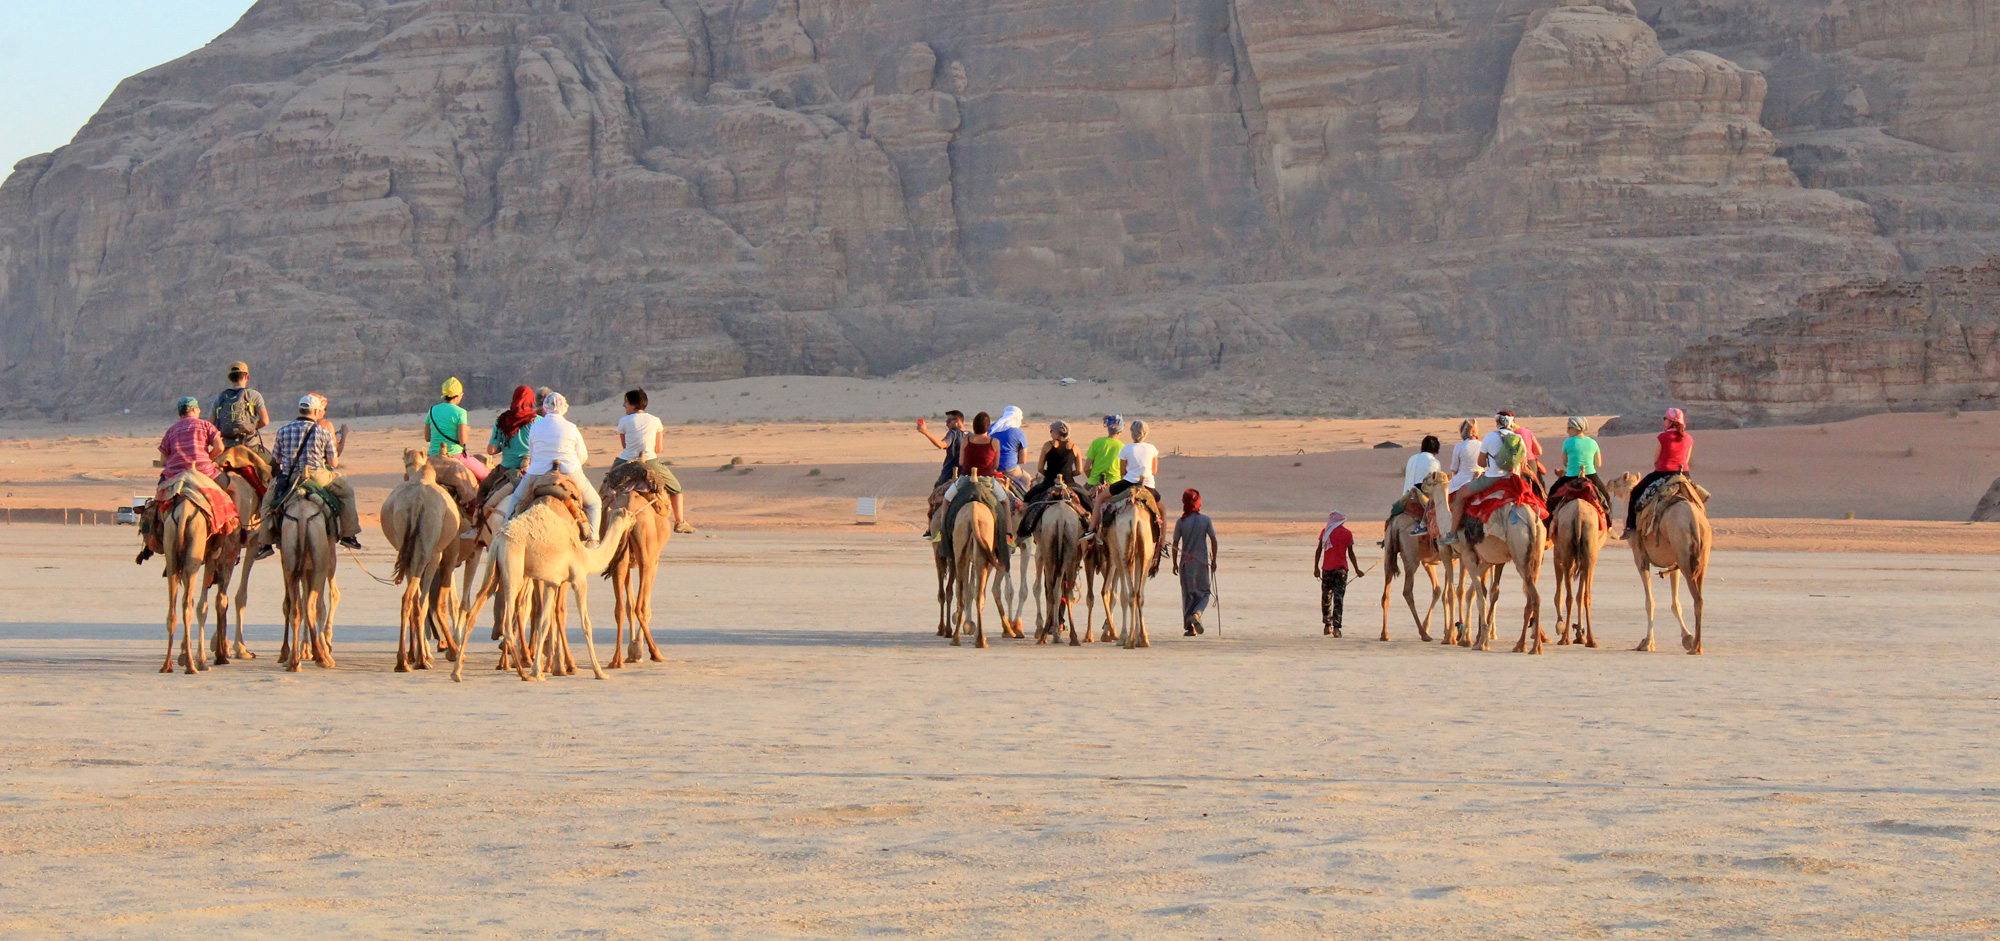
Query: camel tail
x=617 y=557
x=1391 y=558
x=406 y=553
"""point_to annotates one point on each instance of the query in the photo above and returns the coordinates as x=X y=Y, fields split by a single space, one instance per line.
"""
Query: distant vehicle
x=1066 y=382
x=129 y=515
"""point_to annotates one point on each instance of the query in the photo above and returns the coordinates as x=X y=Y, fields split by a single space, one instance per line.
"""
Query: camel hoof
x=656 y=658
x=402 y=668
x=955 y=643
x=1073 y=642
x=292 y=667
x=1695 y=651
x=1521 y=647
x=599 y=675
x=1426 y=638
x=451 y=655
x=979 y=644
x=1646 y=647
x=245 y=655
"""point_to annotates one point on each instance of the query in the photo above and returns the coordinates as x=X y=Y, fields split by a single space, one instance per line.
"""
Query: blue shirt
x=1013 y=444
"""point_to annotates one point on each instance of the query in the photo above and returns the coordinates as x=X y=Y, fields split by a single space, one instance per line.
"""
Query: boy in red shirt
x=1330 y=561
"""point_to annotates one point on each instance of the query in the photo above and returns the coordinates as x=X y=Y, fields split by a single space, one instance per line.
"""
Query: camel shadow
x=740 y=637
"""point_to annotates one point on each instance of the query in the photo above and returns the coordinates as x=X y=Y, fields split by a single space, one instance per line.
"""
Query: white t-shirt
x=1490 y=446
x=555 y=441
x=1421 y=466
x=640 y=430
x=1138 y=458
x=1464 y=463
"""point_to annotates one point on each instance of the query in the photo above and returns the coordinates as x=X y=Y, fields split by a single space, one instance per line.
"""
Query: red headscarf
x=1190 y=501
x=519 y=412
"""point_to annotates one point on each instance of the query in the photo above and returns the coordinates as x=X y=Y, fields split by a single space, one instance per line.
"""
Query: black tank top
x=1059 y=462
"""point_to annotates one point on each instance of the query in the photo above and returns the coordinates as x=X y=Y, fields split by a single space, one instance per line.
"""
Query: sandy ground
x=810 y=762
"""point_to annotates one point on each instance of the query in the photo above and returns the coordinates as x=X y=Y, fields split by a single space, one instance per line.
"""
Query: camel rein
x=364 y=568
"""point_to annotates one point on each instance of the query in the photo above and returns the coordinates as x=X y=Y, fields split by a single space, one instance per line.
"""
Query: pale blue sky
x=59 y=59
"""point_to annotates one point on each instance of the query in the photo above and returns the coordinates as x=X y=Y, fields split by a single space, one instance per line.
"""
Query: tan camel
x=185 y=550
x=307 y=562
x=420 y=519
x=1097 y=590
x=1458 y=561
x=1058 y=539
x=234 y=549
x=1130 y=551
x=1514 y=534
x=1677 y=543
x=1404 y=552
x=634 y=569
x=540 y=547
x=1577 y=536
x=941 y=557
x=973 y=560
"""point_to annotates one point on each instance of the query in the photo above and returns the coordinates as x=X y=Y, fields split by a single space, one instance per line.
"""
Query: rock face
x=1905 y=345
x=363 y=196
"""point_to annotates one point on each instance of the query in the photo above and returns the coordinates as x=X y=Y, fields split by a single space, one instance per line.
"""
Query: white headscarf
x=555 y=404
x=1010 y=417
x=1334 y=520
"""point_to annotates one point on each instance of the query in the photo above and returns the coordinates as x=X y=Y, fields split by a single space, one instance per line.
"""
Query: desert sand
x=810 y=761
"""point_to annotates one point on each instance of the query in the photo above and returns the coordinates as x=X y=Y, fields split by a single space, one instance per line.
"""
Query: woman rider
x=447 y=428
x=1581 y=458
x=1676 y=446
x=510 y=441
x=1141 y=464
x=1059 y=463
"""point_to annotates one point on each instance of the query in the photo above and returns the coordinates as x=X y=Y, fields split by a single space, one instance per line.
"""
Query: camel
x=1058 y=540
x=1677 y=543
x=420 y=519
x=1577 y=536
x=185 y=550
x=541 y=548
x=236 y=548
x=973 y=559
x=1405 y=552
x=1513 y=535
x=1097 y=589
x=634 y=569
x=307 y=562
x=1130 y=551
x=1458 y=560
x=1019 y=588
x=941 y=557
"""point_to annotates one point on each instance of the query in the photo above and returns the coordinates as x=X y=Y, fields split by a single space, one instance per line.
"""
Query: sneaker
x=1419 y=530
x=685 y=528
x=351 y=542
x=266 y=552
x=1447 y=539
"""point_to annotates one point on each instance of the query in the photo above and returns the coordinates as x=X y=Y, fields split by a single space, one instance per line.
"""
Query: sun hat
x=453 y=387
x=186 y=402
x=1676 y=416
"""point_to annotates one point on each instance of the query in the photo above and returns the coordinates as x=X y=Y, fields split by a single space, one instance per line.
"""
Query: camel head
x=417 y=466
x=1437 y=487
x=1622 y=487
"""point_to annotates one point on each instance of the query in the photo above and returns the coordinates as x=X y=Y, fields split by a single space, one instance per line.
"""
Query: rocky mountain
x=1325 y=203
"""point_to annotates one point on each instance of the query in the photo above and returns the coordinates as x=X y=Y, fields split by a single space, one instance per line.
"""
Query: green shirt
x=444 y=420
x=514 y=451
x=1580 y=455
x=1102 y=459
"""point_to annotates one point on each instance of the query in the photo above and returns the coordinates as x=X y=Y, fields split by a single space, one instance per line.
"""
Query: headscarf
x=1138 y=429
x=1678 y=417
x=1334 y=520
x=1504 y=419
x=186 y=403
x=1113 y=422
x=520 y=412
x=1468 y=428
x=555 y=404
x=1010 y=417
x=452 y=388
x=1578 y=424
x=1060 y=429
x=1190 y=501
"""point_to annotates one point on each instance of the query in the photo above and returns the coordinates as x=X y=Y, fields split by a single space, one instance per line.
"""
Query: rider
x=1139 y=465
x=306 y=450
x=1059 y=463
x=239 y=412
x=1465 y=455
x=190 y=444
x=1416 y=470
x=642 y=437
x=1582 y=458
x=1676 y=447
x=1013 y=442
x=1490 y=448
x=950 y=443
x=556 y=445
x=1101 y=459
x=447 y=428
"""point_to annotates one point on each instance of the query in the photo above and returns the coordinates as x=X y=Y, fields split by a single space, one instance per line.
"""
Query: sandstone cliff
x=1545 y=196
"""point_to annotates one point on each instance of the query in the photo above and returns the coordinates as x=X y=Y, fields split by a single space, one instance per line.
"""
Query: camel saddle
x=985 y=490
x=250 y=464
x=1506 y=491
x=457 y=480
x=561 y=490
x=206 y=495
x=641 y=477
x=1145 y=497
x=1418 y=507
x=1579 y=488
x=1059 y=495
x=1662 y=496
x=306 y=489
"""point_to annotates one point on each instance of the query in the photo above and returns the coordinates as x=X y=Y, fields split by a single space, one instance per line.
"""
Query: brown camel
x=974 y=560
x=185 y=550
x=1514 y=534
x=941 y=557
x=420 y=519
x=1578 y=536
x=233 y=549
x=1130 y=552
x=307 y=562
x=1058 y=541
x=1404 y=552
x=634 y=569
x=1674 y=537
x=540 y=547
x=1458 y=560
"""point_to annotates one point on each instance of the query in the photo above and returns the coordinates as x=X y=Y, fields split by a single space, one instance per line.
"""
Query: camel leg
x=577 y=586
x=1589 y=637
x=1388 y=584
x=644 y=605
x=621 y=610
x=1674 y=604
x=173 y=587
x=406 y=637
x=1694 y=592
x=190 y=650
x=980 y=577
x=1646 y=582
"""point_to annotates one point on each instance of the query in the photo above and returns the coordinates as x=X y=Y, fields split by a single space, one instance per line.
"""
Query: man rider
x=239 y=412
x=306 y=452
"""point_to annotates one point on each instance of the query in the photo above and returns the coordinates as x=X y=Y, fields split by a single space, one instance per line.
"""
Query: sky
x=59 y=59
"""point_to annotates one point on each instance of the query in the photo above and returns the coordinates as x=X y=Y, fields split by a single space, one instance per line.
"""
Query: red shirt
x=185 y=448
x=983 y=457
x=1675 y=448
x=1335 y=556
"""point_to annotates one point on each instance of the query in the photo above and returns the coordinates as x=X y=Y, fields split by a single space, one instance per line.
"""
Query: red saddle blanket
x=215 y=502
x=1506 y=490
x=1577 y=488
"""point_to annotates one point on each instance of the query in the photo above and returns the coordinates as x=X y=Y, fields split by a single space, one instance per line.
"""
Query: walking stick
x=1215 y=588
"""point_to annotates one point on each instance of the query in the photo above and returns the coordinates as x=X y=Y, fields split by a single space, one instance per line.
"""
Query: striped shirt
x=185 y=448
x=318 y=454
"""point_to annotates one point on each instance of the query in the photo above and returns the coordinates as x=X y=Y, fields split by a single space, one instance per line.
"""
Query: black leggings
x=1632 y=502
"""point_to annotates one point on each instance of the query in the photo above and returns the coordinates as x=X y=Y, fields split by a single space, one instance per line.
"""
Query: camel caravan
x=520 y=526
x=523 y=528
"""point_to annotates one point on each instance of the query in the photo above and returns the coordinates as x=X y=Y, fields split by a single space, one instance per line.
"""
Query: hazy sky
x=59 y=59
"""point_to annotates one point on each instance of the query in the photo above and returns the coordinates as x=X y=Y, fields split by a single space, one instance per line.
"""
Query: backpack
x=235 y=416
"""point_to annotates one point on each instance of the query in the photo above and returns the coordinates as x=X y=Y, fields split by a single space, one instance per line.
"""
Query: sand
x=810 y=762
